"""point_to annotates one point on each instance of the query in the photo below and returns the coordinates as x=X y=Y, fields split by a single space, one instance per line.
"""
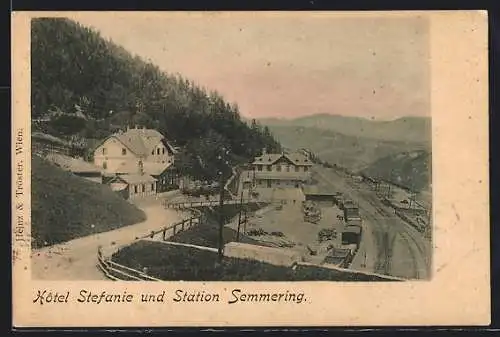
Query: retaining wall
x=276 y=256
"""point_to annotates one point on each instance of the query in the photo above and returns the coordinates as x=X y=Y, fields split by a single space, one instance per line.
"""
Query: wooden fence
x=212 y=203
x=118 y=272
x=414 y=224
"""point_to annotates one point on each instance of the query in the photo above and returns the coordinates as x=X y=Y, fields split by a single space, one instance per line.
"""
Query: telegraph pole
x=222 y=160
x=221 y=215
x=412 y=196
x=239 y=217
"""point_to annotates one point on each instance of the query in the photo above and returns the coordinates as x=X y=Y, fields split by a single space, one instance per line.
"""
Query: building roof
x=134 y=178
x=317 y=190
x=349 y=204
x=72 y=164
x=298 y=158
x=280 y=193
x=280 y=175
x=268 y=158
x=141 y=141
x=271 y=158
x=151 y=168
x=155 y=169
x=118 y=186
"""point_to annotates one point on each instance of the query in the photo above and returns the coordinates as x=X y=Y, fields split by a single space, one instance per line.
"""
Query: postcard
x=221 y=169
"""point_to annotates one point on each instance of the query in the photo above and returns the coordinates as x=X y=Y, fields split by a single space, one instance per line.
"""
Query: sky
x=287 y=65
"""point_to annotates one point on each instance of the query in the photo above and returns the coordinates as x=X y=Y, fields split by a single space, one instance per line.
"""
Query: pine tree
x=73 y=65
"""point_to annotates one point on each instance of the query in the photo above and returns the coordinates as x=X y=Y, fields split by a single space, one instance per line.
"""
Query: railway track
x=387 y=228
x=417 y=252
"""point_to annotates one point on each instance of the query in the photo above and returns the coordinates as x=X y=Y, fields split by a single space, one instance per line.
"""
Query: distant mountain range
x=387 y=149
x=354 y=153
x=407 y=129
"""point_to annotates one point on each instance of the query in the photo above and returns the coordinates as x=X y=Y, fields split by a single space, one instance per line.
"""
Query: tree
x=73 y=65
x=67 y=125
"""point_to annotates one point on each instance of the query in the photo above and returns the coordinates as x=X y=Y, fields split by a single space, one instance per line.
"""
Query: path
x=77 y=259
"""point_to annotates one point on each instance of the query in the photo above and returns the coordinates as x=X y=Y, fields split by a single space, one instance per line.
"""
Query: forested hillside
x=408 y=169
x=404 y=163
x=75 y=70
x=351 y=152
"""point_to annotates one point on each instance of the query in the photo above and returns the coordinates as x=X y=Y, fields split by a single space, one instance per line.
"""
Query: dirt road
x=77 y=259
x=389 y=245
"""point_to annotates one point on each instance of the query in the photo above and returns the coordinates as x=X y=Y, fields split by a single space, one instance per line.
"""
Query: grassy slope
x=168 y=262
x=208 y=234
x=64 y=206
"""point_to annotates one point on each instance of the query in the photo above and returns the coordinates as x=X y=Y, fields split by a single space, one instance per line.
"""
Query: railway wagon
x=338 y=257
x=350 y=209
x=354 y=221
x=351 y=235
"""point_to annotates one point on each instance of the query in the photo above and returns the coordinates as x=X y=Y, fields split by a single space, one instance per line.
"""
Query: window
x=104 y=165
x=143 y=188
x=269 y=167
x=278 y=168
x=135 y=189
x=305 y=169
x=124 y=151
x=158 y=151
x=163 y=150
x=296 y=169
x=103 y=150
x=288 y=168
x=153 y=152
x=152 y=187
x=259 y=168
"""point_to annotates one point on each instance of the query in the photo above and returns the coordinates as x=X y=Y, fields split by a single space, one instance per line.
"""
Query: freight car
x=339 y=257
x=351 y=235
